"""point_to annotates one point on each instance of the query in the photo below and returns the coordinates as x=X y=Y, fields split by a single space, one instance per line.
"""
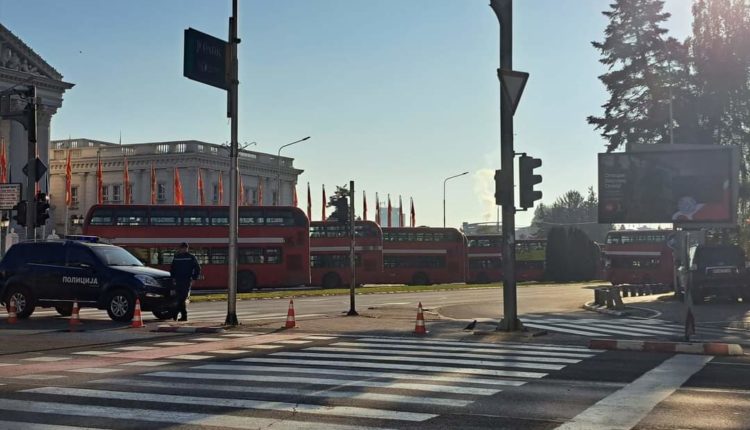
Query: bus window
x=164 y=216
x=102 y=217
x=219 y=216
x=195 y=217
x=132 y=217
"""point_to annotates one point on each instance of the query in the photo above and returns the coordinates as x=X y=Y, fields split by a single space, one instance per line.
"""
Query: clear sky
x=397 y=95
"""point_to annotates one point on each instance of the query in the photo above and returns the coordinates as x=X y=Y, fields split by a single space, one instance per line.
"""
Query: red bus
x=273 y=242
x=484 y=259
x=423 y=255
x=530 y=258
x=638 y=257
x=329 y=253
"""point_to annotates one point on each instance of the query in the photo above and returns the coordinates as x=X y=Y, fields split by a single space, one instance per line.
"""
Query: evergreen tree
x=571 y=210
x=638 y=61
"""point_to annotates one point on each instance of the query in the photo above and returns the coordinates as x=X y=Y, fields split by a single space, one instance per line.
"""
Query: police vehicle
x=55 y=273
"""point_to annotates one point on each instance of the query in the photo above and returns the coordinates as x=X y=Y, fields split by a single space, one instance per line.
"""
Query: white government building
x=187 y=156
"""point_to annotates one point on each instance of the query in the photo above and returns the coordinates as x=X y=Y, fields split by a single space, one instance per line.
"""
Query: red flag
x=201 y=196
x=323 y=213
x=260 y=191
x=241 y=200
x=364 y=205
x=154 y=185
x=221 y=188
x=413 y=214
x=126 y=183
x=3 y=163
x=400 y=212
x=294 y=197
x=178 y=198
x=68 y=181
x=389 y=211
x=309 y=202
x=99 y=179
x=377 y=209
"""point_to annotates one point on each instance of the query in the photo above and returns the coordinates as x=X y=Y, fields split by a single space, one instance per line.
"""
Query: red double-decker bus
x=423 y=255
x=484 y=259
x=273 y=242
x=329 y=253
x=638 y=257
x=530 y=259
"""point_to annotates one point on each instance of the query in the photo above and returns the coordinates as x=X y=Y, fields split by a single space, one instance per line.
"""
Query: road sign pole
x=510 y=322
x=233 y=170
x=32 y=167
x=352 y=247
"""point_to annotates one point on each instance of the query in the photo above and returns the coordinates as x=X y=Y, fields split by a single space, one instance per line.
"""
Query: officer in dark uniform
x=185 y=269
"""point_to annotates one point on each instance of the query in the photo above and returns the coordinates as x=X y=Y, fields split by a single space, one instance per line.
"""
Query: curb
x=182 y=329
x=708 y=348
x=603 y=310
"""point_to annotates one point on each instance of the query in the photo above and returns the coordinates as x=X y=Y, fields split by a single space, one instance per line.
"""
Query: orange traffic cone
x=74 y=317
x=137 y=318
x=290 y=321
x=12 y=312
x=420 y=328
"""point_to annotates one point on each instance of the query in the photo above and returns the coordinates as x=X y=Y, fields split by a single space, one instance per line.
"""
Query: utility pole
x=352 y=248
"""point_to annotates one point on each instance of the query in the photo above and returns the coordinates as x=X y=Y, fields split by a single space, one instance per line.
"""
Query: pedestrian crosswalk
x=213 y=316
x=626 y=327
x=336 y=383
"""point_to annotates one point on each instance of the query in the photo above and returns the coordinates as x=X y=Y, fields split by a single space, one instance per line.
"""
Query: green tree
x=571 y=210
x=340 y=193
x=636 y=54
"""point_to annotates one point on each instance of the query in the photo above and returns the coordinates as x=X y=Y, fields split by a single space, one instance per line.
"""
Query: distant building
x=496 y=228
x=257 y=170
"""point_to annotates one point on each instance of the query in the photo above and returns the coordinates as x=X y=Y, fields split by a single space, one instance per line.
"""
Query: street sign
x=206 y=59
x=10 y=195
x=513 y=84
x=41 y=169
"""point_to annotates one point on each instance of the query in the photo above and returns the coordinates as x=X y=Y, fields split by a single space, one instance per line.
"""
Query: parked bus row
x=280 y=247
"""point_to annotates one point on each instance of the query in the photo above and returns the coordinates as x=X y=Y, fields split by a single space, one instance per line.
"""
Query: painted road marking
x=191 y=357
x=47 y=359
x=172 y=417
x=38 y=377
x=97 y=353
x=317 y=337
x=468 y=348
x=421 y=353
x=342 y=411
x=507 y=345
x=94 y=370
x=640 y=396
x=228 y=351
x=207 y=339
x=147 y=363
x=17 y=425
x=135 y=348
x=174 y=343
x=293 y=342
x=262 y=346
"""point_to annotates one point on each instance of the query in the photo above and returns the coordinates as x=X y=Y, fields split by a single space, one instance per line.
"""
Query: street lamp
x=278 y=168
x=446 y=180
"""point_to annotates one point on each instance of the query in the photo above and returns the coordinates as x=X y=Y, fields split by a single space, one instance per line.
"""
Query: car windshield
x=114 y=256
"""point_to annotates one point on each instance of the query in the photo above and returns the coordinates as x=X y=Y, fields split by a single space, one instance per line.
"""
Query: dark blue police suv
x=56 y=273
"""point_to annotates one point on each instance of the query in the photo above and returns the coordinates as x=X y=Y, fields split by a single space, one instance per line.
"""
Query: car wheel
x=120 y=305
x=25 y=301
x=331 y=280
x=165 y=314
x=64 y=310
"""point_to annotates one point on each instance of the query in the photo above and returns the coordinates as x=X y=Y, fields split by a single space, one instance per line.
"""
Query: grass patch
x=375 y=289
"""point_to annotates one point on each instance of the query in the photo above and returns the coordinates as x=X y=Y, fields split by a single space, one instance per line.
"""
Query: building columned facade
x=21 y=67
x=260 y=175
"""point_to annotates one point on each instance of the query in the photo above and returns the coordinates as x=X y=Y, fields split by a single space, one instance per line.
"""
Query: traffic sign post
x=41 y=169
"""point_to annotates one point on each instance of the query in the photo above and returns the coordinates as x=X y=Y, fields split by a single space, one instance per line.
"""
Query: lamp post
x=446 y=180
x=278 y=168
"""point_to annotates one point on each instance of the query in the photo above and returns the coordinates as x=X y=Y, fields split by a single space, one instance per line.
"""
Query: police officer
x=185 y=269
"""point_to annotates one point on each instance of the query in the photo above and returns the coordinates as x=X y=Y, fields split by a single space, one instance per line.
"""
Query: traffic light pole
x=352 y=246
x=510 y=322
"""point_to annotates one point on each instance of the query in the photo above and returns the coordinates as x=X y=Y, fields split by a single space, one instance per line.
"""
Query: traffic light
x=527 y=179
x=502 y=185
x=342 y=209
x=20 y=215
x=42 y=209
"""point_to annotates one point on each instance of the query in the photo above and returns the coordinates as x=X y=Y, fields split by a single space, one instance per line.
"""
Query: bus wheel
x=245 y=282
x=331 y=280
x=420 y=278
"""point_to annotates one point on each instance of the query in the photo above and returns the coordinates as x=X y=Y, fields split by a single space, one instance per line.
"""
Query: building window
x=162 y=149
x=74 y=196
x=251 y=196
x=215 y=199
x=117 y=193
x=105 y=193
x=161 y=192
x=276 y=198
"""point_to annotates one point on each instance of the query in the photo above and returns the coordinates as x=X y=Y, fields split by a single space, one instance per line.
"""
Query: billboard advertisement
x=685 y=187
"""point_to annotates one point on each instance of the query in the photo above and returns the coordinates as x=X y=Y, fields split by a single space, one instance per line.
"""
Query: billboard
x=696 y=186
